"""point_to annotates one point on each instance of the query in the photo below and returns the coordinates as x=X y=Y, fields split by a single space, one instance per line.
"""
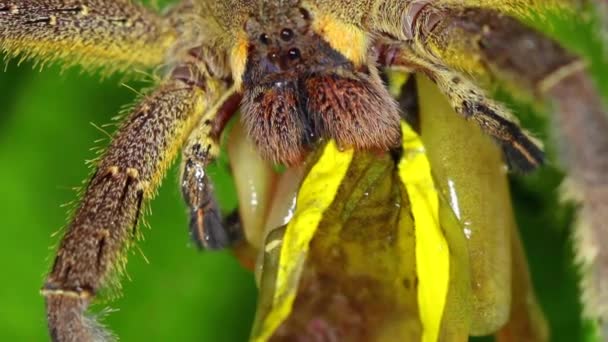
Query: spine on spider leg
x=91 y=254
x=507 y=50
x=95 y=33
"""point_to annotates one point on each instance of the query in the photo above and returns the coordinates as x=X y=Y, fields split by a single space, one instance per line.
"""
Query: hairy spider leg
x=91 y=254
x=115 y=35
x=511 y=7
x=521 y=150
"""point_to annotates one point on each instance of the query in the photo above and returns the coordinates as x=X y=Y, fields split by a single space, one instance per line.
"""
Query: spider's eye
x=293 y=53
x=265 y=39
x=286 y=34
x=304 y=14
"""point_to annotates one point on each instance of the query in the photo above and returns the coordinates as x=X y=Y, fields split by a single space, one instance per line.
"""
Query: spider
x=301 y=72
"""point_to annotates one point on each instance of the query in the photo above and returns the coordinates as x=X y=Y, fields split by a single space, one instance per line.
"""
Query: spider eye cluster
x=298 y=89
x=280 y=47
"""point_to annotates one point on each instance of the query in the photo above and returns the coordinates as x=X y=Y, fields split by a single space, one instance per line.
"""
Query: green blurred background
x=183 y=294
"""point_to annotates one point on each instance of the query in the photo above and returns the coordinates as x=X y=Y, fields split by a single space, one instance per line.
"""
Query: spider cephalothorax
x=297 y=88
x=304 y=71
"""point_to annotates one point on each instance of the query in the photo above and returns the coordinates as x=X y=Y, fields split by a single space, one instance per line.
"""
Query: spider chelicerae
x=301 y=72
